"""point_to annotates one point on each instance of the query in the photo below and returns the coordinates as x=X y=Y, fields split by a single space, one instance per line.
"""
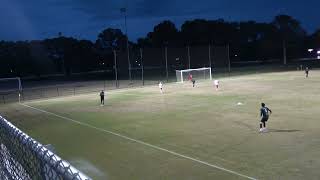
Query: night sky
x=38 y=19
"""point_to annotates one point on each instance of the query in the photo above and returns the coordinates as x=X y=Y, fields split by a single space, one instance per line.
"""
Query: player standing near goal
x=216 y=84
x=161 y=87
x=307 y=72
x=190 y=77
x=264 y=113
x=102 y=98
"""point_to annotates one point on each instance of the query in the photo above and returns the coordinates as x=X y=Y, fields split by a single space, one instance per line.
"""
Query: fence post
x=189 y=58
x=142 y=73
x=4 y=101
x=58 y=91
x=209 y=55
x=284 y=49
x=166 y=57
x=22 y=94
x=115 y=67
x=229 y=63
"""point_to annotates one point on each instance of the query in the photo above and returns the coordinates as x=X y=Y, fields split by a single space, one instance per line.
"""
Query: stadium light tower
x=124 y=11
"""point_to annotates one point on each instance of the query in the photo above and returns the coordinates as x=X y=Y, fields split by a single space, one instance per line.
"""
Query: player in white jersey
x=161 y=87
x=216 y=84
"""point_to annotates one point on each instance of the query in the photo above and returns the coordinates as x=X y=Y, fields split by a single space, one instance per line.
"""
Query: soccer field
x=185 y=133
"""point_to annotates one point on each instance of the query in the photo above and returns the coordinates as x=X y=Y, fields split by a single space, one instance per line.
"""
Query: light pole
x=142 y=70
x=166 y=58
x=209 y=55
x=124 y=11
x=228 y=56
x=115 y=68
x=189 y=63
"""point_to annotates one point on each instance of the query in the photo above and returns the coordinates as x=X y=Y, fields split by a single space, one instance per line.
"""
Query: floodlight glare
x=310 y=50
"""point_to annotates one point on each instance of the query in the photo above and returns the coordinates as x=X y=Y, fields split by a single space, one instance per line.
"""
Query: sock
x=260 y=125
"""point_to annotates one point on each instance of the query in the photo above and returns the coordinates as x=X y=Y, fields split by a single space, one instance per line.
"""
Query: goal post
x=198 y=74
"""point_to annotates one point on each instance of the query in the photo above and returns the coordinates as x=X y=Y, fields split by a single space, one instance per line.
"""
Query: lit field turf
x=186 y=133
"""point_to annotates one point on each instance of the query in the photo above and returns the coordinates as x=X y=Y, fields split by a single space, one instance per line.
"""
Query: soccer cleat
x=264 y=129
x=260 y=130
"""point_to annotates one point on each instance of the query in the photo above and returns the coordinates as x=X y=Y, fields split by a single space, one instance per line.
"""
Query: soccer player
x=102 y=98
x=307 y=72
x=161 y=87
x=190 y=77
x=216 y=84
x=193 y=82
x=264 y=113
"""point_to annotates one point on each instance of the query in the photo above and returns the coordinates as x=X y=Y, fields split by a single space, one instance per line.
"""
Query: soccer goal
x=11 y=86
x=197 y=74
x=21 y=157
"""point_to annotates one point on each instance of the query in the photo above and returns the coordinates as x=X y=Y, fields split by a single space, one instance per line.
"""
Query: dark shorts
x=102 y=98
x=264 y=119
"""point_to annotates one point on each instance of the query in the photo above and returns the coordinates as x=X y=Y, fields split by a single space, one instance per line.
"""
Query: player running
x=264 y=113
x=161 y=87
x=102 y=98
x=216 y=84
x=307 y=72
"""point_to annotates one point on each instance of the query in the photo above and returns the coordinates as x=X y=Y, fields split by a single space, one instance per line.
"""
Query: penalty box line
x=141 y=142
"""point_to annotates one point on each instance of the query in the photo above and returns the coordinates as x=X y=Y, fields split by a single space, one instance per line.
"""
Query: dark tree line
x=248 y=41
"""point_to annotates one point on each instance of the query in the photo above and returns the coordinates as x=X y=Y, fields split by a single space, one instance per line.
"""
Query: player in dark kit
x=307 y=72
x=102 y=98
x=264 y=113
x=193 y=82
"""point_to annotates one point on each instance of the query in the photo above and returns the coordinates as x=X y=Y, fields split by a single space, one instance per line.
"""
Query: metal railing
x=23 y=158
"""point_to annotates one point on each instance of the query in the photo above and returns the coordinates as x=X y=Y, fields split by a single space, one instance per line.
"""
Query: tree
x=195 y=32
x=315 y=39
x=63 y=51
x=165 y=32
x=289 y=30
x=110 y=39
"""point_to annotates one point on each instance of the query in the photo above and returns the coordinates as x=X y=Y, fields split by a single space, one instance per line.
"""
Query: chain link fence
x=23 y=158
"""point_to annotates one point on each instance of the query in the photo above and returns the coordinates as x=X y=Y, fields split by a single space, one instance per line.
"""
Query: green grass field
x=186 y=133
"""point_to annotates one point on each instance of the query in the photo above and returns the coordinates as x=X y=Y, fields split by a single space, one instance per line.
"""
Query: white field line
x=120 y=90
x=143 y=143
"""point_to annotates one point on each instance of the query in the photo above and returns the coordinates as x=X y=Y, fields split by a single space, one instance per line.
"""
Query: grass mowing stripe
x=143 y=143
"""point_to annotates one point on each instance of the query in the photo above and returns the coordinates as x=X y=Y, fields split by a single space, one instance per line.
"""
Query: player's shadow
x=283 y=130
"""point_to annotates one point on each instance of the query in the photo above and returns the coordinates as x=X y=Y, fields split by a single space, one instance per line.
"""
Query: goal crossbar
x=198 y=69
x=13 y=78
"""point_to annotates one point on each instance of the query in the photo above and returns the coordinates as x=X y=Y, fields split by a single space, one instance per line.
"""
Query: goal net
x=10 y=84
x=197 y=74
x=11 y=88
x=21 y=157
